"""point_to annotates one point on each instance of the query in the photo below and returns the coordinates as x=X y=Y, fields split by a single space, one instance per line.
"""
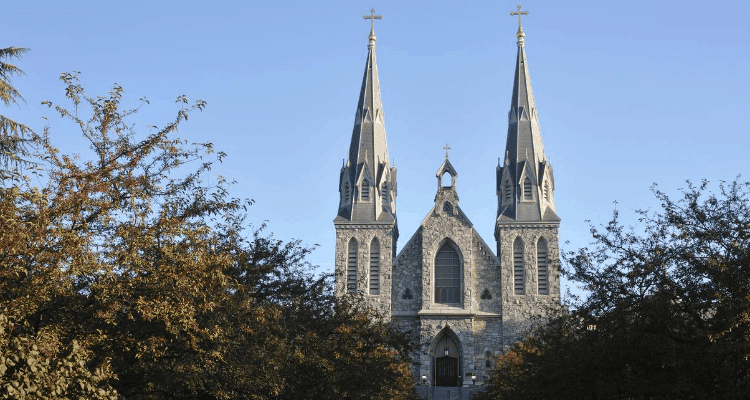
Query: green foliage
x=145 y=282
x=39 y=366
x=667 y=315
x=14 y=136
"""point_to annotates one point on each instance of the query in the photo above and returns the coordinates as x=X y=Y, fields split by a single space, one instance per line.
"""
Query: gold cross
x=372 y=17
x=446 y=150
x=519 y=13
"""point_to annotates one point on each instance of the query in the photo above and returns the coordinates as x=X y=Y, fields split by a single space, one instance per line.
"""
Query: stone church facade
x=463 y=302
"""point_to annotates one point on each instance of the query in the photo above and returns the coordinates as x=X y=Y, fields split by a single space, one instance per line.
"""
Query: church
x=463 y=302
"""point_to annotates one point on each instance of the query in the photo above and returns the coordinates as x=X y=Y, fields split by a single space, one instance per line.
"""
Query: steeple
x=525 y=183
x=368 y=182
x=366 y=229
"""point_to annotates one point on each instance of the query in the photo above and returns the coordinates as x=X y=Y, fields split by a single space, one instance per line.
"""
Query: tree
x=14 y=136
x=667 y=314
x=154 y=280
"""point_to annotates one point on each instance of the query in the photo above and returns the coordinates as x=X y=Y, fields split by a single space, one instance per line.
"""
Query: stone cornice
x=529 y=224
x=445 y=313
x=360 y=225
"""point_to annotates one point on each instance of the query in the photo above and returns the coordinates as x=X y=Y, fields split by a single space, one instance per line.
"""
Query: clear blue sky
x=628 y=93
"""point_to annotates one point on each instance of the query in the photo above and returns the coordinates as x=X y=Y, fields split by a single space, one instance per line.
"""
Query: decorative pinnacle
x=372 y=17
x=520 y=35
x=446 y=148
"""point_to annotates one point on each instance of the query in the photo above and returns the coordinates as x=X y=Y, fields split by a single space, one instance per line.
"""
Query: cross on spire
x=446 y=148
x=372 y=17
x=519 y=13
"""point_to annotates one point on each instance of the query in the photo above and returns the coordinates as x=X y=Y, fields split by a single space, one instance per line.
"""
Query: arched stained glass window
x=447 y=275
x=374 y=266
x=351 y=267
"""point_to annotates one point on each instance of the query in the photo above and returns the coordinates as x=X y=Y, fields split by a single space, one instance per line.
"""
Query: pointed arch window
x=447 y=275
x=541 y=265
x=546 y=190
x=351 y=267
x=375 y=266
x=384 y=193
x=507 y=191
x=346 y=192
x=527 y=189
x=518 y=266
x=365 y=190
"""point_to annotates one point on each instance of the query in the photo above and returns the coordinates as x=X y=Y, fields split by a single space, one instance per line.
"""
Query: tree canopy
x=133 y=273
x=667 y=314
x=14 y=136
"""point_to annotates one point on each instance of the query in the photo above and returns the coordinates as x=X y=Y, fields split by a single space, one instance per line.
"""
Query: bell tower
x=366 y=228
x=526 y=228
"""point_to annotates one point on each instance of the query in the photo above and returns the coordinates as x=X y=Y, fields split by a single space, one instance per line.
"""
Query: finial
x=446 y=148
x=519 y=35
x=372 y=17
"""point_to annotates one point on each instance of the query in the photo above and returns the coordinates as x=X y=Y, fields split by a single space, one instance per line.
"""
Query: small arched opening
x=446 y=180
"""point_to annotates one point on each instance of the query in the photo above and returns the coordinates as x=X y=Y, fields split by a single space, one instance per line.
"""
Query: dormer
x=365 y=184
x=526 y=183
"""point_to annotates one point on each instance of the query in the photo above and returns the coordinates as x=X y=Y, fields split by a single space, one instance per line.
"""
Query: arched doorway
x=447 y=356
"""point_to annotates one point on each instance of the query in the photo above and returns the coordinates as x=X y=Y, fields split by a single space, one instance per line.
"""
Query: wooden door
x=446 y=371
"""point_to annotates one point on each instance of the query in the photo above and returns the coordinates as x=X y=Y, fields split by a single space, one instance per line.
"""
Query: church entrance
x=446 y=371
x=447 y=357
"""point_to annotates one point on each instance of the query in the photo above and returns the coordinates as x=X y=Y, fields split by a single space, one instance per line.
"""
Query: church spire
x=368 y=182
x=525 y=183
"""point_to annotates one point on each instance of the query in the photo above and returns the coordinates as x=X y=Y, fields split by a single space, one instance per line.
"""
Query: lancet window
x=374 y=266
x=527 y=189
x=518 y=266
x=365 y=190
x=447 y=275
x=351 y=267
x=541 y=264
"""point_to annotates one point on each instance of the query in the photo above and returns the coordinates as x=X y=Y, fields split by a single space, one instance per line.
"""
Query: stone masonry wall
x=364 y=234
x=447 y=223
x=476 y=322
x=406 y=294
x=521 y=312
x=476 y=337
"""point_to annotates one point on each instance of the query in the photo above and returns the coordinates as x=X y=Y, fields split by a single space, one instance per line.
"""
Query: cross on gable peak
x=446 y=148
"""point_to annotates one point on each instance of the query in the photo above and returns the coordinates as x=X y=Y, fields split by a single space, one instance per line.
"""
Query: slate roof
x=368 y=151
x=524 y=151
